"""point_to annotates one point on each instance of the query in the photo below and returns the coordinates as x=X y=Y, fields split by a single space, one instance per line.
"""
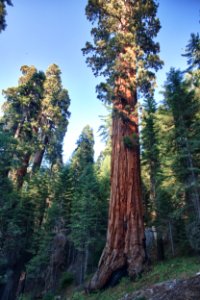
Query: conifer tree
x=53 y=118
x=7 y=149
x=3 y=13
x=21 y=111
x=84 y=210
x=103 y=163
x=150 y=154
x=51 y=195
x=156 y=172
x=36 y=112
x=25 y=213
x=192 y=52
x=125 y=53
x=181 y=100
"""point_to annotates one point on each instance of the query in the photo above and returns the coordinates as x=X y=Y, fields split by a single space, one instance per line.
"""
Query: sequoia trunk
x=38 y=157
x=124 y=52
x=124 y=250
x=18 y=175
x=22 y=171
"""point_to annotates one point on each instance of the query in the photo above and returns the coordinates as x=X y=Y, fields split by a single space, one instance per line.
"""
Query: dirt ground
x=185 y=289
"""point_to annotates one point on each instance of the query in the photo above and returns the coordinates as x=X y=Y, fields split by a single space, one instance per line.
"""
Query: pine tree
x=125 y=53
x=3 y=13
x=85 y=209
x=184 y=107
x=16 y=216
x=157 y=173
x=51 y=196
x=103 y=163
x=192 y=52
x=150 y=154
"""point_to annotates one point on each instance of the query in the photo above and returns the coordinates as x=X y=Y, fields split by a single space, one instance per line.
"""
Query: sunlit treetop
x=123 y=45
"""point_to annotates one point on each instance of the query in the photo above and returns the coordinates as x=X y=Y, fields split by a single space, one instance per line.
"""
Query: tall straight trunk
x=19 y=128
x=18 y=175
x=22 y=171
x=37 y=161
x=124 y=249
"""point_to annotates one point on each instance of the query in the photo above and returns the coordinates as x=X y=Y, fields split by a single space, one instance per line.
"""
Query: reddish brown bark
x=37 y=161
x=19 y=174
x=125 y=235
x=22 y=171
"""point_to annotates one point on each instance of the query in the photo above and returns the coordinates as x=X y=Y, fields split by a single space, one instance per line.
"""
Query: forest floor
x=175 y=279
x=177 y=289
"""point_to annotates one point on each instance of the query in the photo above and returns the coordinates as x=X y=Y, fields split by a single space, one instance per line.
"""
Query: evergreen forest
x=75 y=229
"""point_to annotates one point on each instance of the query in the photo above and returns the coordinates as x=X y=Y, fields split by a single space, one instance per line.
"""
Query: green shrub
x=48 y=296
x=24 y=297
x=77 y=296
x=66 y=279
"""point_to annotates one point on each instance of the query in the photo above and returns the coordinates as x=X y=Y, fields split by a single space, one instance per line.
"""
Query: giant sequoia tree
x=52 y=120
x=36 y=112
x=33 y=125
x=21 y=111
x=125 y=53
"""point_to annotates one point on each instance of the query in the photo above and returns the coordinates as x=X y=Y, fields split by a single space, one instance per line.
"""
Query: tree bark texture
x=22 y=171
x=8 y=291
x=18 y=175
x=38 y=157
x=124 y=247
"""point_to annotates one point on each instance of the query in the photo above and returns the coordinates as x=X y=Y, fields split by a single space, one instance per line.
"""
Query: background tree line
x=170 y=154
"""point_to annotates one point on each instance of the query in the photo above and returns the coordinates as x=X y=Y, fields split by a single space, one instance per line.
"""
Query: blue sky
x=43 y=32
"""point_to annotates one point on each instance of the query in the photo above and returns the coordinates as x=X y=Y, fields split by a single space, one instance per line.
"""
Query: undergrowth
x=180 y=267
